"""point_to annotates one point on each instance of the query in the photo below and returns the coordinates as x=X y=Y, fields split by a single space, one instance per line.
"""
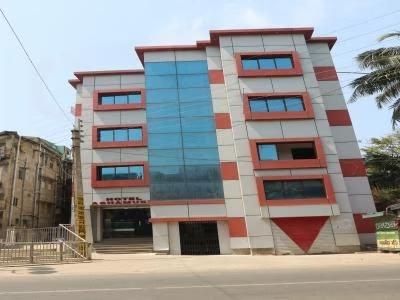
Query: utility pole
x=79 y=207
x=10 y=216
x=22 y=193
x=36 y=193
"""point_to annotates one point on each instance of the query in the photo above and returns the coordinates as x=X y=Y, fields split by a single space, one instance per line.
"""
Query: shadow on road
x=41 y=270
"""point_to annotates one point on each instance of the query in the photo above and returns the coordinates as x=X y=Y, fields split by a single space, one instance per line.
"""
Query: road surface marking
x=198 y=286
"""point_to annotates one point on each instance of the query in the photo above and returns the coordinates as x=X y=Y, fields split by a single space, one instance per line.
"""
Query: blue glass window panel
x=164 y=125
x=160 y=68
x=168 y=191
x=135 y=134
x=283 y=63
x=107 y=100
x=197 y=80
x=167 y=174
x=192 y=67
x=201 y=124
x=204 y=190
x=161 y=95
x=107 y=173
x=199 y=140
x=165 y=141
x=258 y=105
x=121 y=99
x=266 y=63
x=134 y=98
x=194 y=109
x=267 y=152
x=201 y=156
x=162 y=110
x=165 y=157
x=161 y=82
x=195 y=94
x=276 y=105
x=294 y=104
x=250 y=64
x=106 y=135
x=210 y=173
x=121 y=172
x=120 y=135
x=136 y=172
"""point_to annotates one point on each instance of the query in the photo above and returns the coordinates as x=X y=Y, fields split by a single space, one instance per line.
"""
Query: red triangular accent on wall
x=303 y=231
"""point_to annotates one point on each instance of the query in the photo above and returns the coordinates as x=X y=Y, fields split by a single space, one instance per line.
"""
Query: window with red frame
x=120 y=134
x=276 y=104
x=267 y=62
x=294 y=189
x=286 y=151
x=118 y=99
x=129 y=172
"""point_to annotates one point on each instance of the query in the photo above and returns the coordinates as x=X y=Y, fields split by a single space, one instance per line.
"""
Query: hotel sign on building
x=239 y=144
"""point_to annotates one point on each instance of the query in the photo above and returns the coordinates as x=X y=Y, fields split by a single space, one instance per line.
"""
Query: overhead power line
x=35 y=68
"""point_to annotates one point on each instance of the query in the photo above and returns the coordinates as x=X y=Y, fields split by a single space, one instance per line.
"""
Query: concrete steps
x=124 y=246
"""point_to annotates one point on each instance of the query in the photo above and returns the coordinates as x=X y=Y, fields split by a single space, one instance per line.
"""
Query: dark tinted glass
x=314 y=189
x=273 y=190
x=293 y=189
x=167 y=174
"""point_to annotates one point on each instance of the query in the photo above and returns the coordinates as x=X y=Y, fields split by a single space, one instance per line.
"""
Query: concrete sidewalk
x=152 y=263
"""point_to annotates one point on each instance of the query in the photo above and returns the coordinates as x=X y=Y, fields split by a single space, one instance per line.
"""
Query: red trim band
x=222 y=121
x=187 y=219
x=353 y=167
x=216 y=76
x=237 y=227
x=326 y=73
x=229 y=171
x=186 y=202
x=339 y=117
x=364 y=225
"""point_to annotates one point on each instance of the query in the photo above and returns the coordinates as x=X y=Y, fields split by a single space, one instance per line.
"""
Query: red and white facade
x=247 y=221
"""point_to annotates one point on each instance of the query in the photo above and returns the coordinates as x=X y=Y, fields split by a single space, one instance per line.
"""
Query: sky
x=64 y=36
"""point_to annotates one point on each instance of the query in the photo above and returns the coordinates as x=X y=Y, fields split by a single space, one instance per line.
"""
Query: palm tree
x=384 y=78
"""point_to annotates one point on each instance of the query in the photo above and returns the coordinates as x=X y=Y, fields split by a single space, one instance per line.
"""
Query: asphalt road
x=344 y=281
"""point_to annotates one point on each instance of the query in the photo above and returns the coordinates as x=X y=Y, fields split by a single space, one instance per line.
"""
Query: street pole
x=10 y=216
x=79 y=208
x=22 y=193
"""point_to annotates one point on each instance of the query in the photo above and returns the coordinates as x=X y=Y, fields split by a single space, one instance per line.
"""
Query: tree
x=384 y=78
x=382 y=159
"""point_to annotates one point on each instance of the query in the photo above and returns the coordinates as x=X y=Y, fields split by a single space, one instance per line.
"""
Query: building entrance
x=199 y=238
x=126 y=223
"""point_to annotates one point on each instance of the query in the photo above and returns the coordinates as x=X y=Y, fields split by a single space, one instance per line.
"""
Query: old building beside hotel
x=35 y=182
x=238 y=144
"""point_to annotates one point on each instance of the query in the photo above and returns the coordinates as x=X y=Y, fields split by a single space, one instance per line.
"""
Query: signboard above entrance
x=123 y=201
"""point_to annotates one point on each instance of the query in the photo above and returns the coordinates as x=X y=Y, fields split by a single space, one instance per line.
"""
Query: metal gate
x=199 y=238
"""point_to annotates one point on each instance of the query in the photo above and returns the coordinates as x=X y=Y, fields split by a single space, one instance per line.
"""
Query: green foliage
x=382 y=159
x=384 y=78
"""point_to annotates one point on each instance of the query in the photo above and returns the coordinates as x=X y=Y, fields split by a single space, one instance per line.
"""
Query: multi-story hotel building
x=239 y=144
